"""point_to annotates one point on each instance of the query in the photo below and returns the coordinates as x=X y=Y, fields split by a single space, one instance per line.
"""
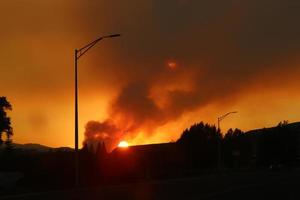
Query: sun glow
x=123 y=144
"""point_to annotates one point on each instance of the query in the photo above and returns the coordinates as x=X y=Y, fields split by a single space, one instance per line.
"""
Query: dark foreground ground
x=283 y=185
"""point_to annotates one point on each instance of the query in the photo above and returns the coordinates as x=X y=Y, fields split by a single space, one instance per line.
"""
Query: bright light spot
x=172 y=65
x=123 y=144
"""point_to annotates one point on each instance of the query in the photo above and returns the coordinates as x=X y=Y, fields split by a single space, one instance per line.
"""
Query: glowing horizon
x=123 y=144
x=176 y=65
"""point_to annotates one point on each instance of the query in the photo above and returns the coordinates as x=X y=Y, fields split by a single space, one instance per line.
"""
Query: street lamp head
x=113 y=35
x=224 y=116
x=84 y=49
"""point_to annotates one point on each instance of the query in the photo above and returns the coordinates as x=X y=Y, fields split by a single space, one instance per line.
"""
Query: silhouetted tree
x=200 y=143
x=283 y=123
x=5 y=124
x=237 y=148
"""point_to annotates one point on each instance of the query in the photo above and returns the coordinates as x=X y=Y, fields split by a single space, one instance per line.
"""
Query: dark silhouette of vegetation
x=259 y=148
x=5 y=124
x=193 y=154
x=200 y=144
x=237 y=149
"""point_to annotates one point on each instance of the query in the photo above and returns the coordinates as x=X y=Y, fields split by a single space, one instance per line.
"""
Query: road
x=238 y=185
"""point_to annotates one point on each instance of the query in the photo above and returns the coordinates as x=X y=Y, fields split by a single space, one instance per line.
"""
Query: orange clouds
x=229 y=55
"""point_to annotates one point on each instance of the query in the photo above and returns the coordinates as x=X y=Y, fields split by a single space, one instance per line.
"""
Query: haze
x=177 y=62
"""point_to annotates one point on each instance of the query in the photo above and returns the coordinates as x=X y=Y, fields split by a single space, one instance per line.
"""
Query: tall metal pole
x=76 y=126
x=78 y=54
x=220 y=140
x=219 y=146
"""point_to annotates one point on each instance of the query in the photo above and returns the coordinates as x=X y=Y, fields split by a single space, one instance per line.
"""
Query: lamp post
x=219 y=143
x=78 y=53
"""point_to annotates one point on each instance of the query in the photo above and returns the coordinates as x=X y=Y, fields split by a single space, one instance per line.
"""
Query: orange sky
x=224 y=57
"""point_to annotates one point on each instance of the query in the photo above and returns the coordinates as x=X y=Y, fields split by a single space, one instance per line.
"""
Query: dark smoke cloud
x=101 y=131
x=220 y=47
x=134 y=108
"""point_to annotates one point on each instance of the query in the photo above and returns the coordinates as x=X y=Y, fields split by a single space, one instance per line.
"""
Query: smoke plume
x=186 y=54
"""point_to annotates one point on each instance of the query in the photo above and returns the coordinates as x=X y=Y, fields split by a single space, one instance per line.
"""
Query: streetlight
x=219 y=143
x=223 y=117
x=78 y=53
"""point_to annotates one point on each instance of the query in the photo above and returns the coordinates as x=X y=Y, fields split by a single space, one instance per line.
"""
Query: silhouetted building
x=276 y=144
x=143 y=161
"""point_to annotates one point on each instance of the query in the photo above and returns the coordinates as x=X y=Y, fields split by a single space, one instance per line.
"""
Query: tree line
x=264 y=147
x=5 y=122
x=200 y=148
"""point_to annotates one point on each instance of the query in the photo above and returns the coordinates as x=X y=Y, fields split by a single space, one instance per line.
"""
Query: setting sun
x=123 y=144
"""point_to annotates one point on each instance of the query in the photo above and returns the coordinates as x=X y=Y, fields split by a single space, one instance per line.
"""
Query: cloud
x=221 y=47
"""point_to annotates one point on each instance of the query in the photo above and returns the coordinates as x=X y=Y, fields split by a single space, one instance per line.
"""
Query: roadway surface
x=283 y=185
